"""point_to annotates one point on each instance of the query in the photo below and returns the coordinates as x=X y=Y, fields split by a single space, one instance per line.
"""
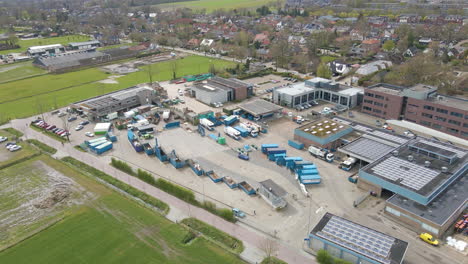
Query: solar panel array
x=360 y=239
x=362 y=128
x=368 y=148
x=389 y=137
x=460 y=153
x=409 y=174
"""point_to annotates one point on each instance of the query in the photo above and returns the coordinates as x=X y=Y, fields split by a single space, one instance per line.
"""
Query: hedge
x=42 y=146
x=176 y=190
x=14 y=132
x=123 y=166
x=49 y=133
x=272 y=260
x=215 y=234
x=163 y=207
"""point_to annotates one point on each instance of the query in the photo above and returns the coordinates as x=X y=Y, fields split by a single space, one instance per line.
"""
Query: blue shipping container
x=243 y=132
x=295 y=144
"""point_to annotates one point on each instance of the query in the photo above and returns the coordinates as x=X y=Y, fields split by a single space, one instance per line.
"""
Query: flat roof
x=440 y=209
x=260 y=107
x=408 y=169
x=84 y=43
x=323 y=128
x=111 y=98
x=295 y=89
x=274 y=188
x=367 y=149
x=455 y=102
x=360 y=239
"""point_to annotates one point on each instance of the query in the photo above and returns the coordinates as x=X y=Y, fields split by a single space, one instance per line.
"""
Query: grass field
x=16 y=71
x=107 y=228
x=25 y=97
x=25 y=44
x=211 y=5
x=117 y=46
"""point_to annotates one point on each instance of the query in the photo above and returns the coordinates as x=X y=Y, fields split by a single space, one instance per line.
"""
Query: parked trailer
x=111 y=136
x=172 y=125
x=247 y=188
x=242 y=131
x=310 y=179
x=149 y=150
x=295 y=144
x=103 y=148
x=287 y=160
x=196 y=167
x=230 y=182
x=276 y=156
x=88 y=142
x=214 y=176
x=266 y=146
x=233 y=133
x=230 y=120
x=207 y=124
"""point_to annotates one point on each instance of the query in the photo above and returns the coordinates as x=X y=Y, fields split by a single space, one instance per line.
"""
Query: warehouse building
x=221 y=90
x=355 y=243
x=99 y=107
x=259 y=109
x=48 y=50
x=85 y=45
x=68 y=61
x=418 y=104
x=427 y=180
x=318 y=89
x=324 y=133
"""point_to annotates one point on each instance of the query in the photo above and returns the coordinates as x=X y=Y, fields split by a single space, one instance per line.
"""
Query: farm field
x=16 y=71
x=50 y=91
x=211 y=5
x=25 y=44
x=106 y=226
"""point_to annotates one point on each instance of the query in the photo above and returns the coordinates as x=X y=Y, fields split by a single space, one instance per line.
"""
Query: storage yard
x=282 y=173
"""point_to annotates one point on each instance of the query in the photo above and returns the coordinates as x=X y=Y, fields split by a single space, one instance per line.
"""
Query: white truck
x=166 y=115
x=251 y=127
x=348 y=164
x=321 y=154
x=232 y=132
x=206 y=124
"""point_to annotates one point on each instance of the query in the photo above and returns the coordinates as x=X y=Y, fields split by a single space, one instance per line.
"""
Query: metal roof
x=260 y=107
x=274 y=188
x=367 y=149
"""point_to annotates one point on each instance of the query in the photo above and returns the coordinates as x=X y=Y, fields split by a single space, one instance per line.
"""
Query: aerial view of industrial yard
x=222 y=131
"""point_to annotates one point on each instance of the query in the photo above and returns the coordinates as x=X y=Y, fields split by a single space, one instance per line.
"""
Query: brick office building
x=419 y=104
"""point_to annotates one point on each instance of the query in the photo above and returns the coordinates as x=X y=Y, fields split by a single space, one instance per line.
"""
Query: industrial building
x=221 y=90
x=273 y=194
x=85 y=45
x=324 y=133
x=418 y=104
x=318 y=89
x=97 y=108
x=355 y=243
x=49 y=50
x=67 y=61
x=427 y=180
x=259 y=109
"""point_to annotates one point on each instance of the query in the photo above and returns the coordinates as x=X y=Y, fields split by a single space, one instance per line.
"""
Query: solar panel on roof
x=406 y=173
x=460 y=153
x=368 y=148
x=389 y=137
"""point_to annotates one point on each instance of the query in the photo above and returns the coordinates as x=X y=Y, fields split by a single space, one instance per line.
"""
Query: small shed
x=273 y=194
x=102 y=128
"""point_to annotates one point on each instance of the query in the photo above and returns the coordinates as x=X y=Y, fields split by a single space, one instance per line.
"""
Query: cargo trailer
x=243 y=132
x=266 y=146
x=104 y=147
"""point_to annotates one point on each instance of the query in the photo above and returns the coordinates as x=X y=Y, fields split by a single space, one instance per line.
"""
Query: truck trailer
x=321 y=154
x=206 y=124
x=232 y=132
x=348 y=164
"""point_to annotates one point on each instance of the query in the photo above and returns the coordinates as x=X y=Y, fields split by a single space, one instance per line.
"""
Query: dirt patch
x=149 y=236
x=56 y=196
x=111 y=79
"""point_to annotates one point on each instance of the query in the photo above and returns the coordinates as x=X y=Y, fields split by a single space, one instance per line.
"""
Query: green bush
x=215 y=234
x=123 y=166
x=272 y=260
x=42 y=146
x=13 y=131
x=189 y=237
x=163 y=207
x=323 y=257
x=146 y=177
x=176 y=190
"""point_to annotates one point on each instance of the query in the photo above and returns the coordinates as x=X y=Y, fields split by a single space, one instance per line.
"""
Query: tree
x=389 y=45
x=12 y=40
x=324 y=71
x=323 y=257
x=174 y=69
x=269 y=247
x=280 y=51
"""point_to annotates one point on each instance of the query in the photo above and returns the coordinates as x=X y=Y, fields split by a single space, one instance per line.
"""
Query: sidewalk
x=179 y=209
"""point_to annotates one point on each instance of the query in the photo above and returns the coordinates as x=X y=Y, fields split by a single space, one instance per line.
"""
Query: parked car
x=51 y=127
x=84 y=123
x=15 y=148
x=71 y=118
x=3 y=139
x=11 y=146
x=61 y=114
x=79 y=127
x=89 y=134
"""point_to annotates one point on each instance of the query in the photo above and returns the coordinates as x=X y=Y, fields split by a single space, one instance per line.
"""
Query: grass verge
x=86 y=169
x=14 y=132
x=48 y=133
x=42 y=146
x=272 y=260
x=217 y=235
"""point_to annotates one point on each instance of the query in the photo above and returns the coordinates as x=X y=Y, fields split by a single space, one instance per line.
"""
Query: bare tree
x=270 y=248
x=40 y=108
x=174 y=69
x=66 y=126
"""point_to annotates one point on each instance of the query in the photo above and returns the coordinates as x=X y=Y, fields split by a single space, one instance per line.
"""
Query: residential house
x=262 y=38
x=409 y=19
x=370 y=45
x=356 y=35
x=207 y=42
x=193 y=43
x=411 y=52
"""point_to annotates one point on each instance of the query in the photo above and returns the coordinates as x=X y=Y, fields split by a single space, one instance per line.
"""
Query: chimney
x=395 y=153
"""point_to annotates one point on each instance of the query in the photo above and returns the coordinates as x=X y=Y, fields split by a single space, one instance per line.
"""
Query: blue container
x=274 y=157
x=172 y=125
x=243 y=132
x=214 y=177
x=295 y=144
x=310 y=179
x=230 y=120
x=265 y=146
x=230 y=182
x=111 y=136
x=247 y=188
x=103 y=148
